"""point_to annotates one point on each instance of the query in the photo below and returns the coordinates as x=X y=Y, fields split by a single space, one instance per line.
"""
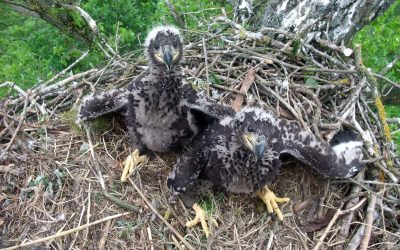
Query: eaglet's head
x=164 y=47
x=249 y=125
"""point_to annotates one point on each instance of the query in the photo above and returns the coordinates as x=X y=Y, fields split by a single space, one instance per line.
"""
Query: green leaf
x=214 y=79
x=311 y=82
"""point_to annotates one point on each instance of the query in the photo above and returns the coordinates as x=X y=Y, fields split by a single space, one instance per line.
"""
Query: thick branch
x=57 y=14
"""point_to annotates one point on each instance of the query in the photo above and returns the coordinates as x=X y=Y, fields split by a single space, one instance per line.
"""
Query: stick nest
x=56 y=178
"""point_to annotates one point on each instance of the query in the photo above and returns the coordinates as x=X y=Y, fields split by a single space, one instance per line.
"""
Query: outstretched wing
x=206 y=113
x=96 y=105
x=204 y=109
x=114 y=100
x=341 y=160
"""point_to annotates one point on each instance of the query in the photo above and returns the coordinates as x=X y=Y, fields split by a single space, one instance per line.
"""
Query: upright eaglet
x=241 y=154
x=163 y=48
x=162 y=113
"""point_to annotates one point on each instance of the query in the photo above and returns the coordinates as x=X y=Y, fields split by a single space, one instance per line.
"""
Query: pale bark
x=334 y=20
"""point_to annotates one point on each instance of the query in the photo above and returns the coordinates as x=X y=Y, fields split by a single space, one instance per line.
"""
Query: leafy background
x=381 y=44
x=32 y=51
x=381 y=41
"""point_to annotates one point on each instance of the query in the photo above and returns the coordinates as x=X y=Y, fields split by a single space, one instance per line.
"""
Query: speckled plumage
x=157 y=116
x=221 y=156
x=162 y=113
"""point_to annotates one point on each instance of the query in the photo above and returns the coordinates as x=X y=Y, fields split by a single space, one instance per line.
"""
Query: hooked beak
x=256 y=143
x=167 y=57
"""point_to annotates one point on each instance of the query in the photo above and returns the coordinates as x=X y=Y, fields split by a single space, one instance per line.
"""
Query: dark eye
x=175 y=44
x=237 y=124
x=251 y=129
x=156 y=46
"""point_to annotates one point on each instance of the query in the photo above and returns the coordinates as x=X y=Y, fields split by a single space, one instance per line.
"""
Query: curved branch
x=55 y=14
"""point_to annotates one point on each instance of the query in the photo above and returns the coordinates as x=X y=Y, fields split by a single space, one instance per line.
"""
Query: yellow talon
x=201 y=217
x=270 y=200
x=131 y=162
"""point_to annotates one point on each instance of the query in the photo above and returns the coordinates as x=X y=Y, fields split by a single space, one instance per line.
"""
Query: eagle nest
x=60 y=186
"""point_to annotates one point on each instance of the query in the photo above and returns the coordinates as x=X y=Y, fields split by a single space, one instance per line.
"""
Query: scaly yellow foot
x=201 y=217
x=269 y=198
x=131 y=162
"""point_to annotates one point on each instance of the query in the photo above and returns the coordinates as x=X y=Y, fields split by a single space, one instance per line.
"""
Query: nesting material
x=52 y=179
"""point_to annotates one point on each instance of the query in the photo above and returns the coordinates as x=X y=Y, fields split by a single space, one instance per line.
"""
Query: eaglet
x=241 y=154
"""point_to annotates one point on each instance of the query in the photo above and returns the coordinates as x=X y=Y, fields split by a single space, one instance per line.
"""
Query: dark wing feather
x=344 y=135
x=200 y=103
x=201 y=166
x=184 y=178
x=205 y=110
x=342 y=160
x=97 y=105
x=114 y=100
x=206 y=113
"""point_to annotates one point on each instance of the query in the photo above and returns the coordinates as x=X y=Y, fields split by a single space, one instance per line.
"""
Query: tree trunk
x=334 y=20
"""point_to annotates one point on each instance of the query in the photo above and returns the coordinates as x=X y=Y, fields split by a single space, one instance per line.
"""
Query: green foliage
x=50 y=183
x=195 y=14
x=381 y=41
x=208 y=204
x=98 y=125
x=134 y=18
x=128 y=228
x=69 y=118
x=32 y=51
x=78 y=20
x=311 y=82
x=392 y=111
x=381 y=44
x=295 y=48
x=214 y=79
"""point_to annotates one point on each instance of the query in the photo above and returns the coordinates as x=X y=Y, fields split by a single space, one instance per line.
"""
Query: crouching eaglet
x=157 y=105
x=241 y=154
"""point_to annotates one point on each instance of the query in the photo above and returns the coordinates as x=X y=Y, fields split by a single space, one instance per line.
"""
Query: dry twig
x=369 y=219
x=148 y=203
x=64 y=233
x=318 y=88
x=17 y=130
x=338 y=213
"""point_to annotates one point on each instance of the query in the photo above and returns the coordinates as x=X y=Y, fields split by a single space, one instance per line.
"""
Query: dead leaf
x=246 y=83
x=302 y=205
x=268 y=61
x=320 y=223
x=6 y=168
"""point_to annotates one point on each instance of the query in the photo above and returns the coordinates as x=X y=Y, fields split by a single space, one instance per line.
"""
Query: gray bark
x=334 y=20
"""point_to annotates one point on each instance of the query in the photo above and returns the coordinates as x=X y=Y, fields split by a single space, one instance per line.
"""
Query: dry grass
x=76 y=199
x=50 y=181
